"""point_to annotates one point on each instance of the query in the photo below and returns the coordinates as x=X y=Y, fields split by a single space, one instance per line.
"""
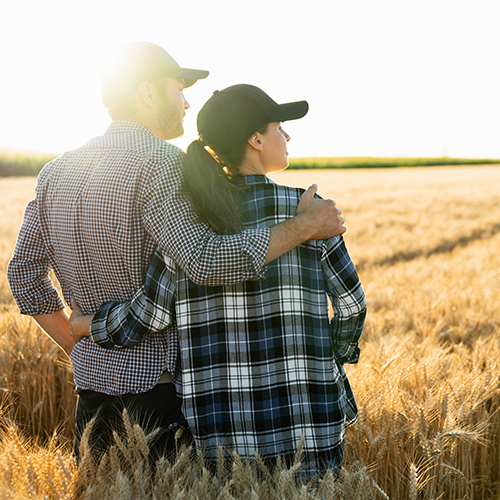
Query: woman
x=261 y=364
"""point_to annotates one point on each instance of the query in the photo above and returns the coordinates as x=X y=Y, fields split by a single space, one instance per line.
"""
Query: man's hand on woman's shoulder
x=316 y=219
x=322 y=218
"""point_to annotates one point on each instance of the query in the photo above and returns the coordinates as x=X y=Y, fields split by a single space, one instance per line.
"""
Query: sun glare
x=382 y=78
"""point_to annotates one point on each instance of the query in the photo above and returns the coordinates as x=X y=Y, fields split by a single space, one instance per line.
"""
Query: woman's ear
x=255 y=141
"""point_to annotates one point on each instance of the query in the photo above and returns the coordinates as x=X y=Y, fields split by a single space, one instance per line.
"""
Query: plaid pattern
x=258 y=367
x=99 y=213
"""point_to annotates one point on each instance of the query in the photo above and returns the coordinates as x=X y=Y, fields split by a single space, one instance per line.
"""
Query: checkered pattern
x=258 y=367
x=98 y=215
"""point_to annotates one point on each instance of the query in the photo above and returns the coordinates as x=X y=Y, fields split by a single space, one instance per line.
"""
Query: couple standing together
x=199 y=286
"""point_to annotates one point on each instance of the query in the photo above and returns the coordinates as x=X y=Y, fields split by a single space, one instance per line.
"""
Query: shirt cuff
x=98 y=327
x=347 y=355
x=40 y=304
x=257 y=246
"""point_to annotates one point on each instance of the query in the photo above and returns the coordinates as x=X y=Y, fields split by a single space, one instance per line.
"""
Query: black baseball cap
x=139 y=62
x=232 y=115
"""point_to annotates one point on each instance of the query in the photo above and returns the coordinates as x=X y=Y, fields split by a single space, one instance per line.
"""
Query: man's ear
x=146 y=92
x=255 y=141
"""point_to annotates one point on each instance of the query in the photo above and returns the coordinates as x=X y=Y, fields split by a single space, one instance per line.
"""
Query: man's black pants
x=157 y=408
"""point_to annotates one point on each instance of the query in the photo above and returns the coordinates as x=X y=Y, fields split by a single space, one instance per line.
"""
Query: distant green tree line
x=30 y=165
x=373 y=162
x=13 y=164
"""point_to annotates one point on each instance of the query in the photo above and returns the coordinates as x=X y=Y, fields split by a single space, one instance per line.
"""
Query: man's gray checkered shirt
x=98 y=215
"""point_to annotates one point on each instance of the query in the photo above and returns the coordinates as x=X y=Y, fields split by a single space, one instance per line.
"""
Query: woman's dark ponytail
x=212 y=189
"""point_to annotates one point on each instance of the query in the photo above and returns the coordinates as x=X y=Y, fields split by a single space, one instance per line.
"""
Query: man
x=99 y=213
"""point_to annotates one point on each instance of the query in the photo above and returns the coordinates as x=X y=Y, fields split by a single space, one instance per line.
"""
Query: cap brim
x=191 y=76
x=290 y=111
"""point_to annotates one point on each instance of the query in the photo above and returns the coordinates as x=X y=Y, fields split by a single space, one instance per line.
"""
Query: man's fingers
x=311 y=190
x=307 y=200
x=323 y=214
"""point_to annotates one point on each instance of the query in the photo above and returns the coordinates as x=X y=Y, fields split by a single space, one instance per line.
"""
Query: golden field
x=425 y=242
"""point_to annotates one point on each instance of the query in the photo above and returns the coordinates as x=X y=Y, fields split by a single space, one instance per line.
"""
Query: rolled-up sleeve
x=28 y=270
x=206 y=257
x=347 y=297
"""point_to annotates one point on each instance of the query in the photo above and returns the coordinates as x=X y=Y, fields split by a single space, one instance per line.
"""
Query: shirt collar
x=126 y=127
x=254 y=179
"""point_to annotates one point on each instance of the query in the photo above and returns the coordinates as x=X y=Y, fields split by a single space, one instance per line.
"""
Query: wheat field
x=425 y=242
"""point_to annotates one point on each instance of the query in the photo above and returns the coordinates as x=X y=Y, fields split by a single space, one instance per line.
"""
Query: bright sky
x=382 y=77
